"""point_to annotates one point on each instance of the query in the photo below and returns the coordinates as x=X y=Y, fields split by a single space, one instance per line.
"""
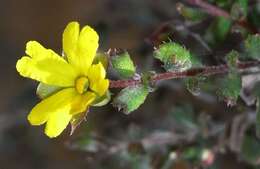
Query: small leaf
x=193 y=14
x=244 y=5
x=239 y=10
x=174 y=56
x=193 y=84
x=251 y=150
x=230 y=88
x=130 y=98
x=232 y=58
x=123 y=64
x=44 y=90
x=252 y=46
x=218 y=31
x=101 y=101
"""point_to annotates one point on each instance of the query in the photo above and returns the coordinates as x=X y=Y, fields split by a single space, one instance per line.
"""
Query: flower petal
x=87 y=45
x=70 y=41
x=55 y=103
x=82 y=102
x=57 y=122
x=45 y=66
x=80 y=48
x=96 y=76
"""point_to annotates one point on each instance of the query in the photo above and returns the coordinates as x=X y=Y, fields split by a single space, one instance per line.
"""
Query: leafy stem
x=202 y=71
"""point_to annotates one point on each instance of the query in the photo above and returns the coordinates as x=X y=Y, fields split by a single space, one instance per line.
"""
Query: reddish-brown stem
x=216 y=11
x=203 y=71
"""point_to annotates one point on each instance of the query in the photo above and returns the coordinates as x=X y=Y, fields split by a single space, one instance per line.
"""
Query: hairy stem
x=203 y=71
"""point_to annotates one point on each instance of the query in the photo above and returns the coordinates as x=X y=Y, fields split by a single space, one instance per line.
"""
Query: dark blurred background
x=126 y=24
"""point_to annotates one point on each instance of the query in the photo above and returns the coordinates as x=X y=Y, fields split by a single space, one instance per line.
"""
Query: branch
x=203 y=71
x=216 y=11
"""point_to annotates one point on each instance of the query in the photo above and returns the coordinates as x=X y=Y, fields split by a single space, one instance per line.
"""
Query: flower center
x=82 y=84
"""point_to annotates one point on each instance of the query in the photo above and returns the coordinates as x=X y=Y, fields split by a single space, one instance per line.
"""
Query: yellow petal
x=80 y=48
x=55 y=103
x=87 y=46
x=96 y=76
x=70 y=41
x=82 y=102
x=57 y=122
x=45 y=66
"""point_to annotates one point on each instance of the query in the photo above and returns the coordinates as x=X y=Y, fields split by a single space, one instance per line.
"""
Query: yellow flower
x=82 y=81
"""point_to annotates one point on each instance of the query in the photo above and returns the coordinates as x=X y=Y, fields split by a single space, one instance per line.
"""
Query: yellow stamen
x=81 y=84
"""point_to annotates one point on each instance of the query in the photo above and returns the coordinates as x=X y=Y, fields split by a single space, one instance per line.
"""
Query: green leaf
x=239 y=10
x=251 y=150
x=130 y=98
x=123 y=65
x=223 y=27
x=218 y=31
x=193 y=84
x=252 y=46
x=101 y=101
x=193 y=14
x=232 y=58
x=174 y=56
x=244 y=5
x=44 y=90
x=230 y=88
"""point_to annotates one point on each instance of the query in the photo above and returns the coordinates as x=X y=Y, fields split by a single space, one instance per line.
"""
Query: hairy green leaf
x=123 y=65
x=232 y=58
x=252 y=46
x=174 y=56
x=130 y=98
x=230 y=88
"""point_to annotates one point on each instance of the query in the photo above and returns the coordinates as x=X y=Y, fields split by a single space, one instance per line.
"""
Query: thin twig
x=216 y=11
x=203 y=71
